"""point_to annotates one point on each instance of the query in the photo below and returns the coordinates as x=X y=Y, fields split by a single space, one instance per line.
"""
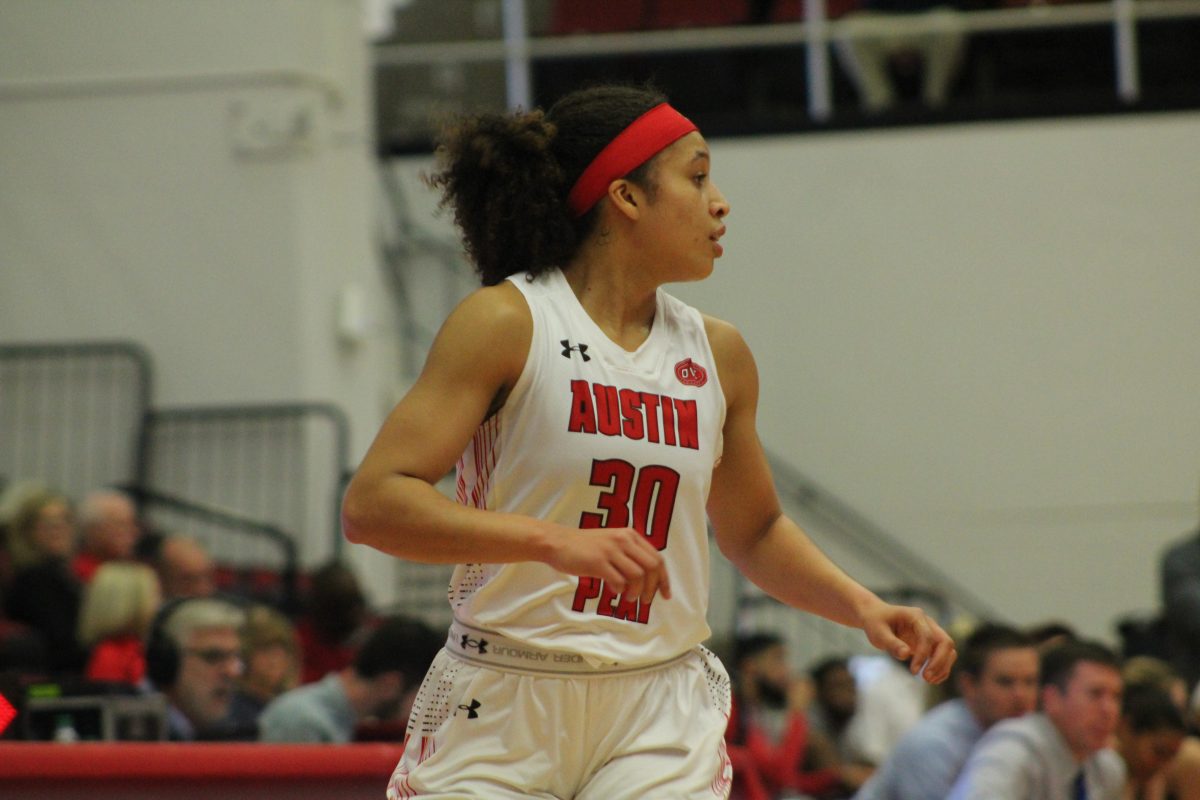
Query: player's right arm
x=392 y=504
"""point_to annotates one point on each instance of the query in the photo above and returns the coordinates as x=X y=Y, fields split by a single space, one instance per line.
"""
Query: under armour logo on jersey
x=471 y=712
x=568 y=347
x=478 y=644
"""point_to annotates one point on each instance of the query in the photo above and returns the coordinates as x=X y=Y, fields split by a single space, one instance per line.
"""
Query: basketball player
x=594 y=419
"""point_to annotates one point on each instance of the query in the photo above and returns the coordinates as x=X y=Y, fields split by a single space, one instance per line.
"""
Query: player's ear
x=626 y=198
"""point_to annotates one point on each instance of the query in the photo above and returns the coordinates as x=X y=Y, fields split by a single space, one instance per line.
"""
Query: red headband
x=634 y=146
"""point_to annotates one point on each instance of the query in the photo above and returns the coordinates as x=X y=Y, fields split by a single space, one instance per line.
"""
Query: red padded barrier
x=171 y=771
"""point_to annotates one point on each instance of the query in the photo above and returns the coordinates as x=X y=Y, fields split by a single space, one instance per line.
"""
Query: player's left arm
x=772 y=551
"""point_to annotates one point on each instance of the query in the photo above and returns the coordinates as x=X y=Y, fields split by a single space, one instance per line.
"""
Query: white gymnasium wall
x=983 y=337
x=198 y=177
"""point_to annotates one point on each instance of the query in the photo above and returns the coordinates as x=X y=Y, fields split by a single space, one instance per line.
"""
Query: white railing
x=126 y=84
x=517 y=49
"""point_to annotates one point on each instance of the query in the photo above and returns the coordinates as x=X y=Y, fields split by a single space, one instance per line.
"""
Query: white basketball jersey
x=595 y=436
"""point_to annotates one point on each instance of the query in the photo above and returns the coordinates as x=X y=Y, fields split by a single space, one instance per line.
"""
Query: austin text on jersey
x=608 y=410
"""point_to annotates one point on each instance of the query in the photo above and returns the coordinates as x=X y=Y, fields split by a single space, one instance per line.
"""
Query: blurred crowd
x=93 y=602
x=1029 y=713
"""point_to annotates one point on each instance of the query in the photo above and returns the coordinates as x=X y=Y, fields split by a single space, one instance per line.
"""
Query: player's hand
x=909 y=634
x=621 y=557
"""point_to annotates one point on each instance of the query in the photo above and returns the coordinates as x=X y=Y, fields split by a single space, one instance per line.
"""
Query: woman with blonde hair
x=118 y=608
x=39 y=524
x=271 y=653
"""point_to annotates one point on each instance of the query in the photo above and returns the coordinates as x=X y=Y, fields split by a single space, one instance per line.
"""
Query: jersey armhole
x=530 y=369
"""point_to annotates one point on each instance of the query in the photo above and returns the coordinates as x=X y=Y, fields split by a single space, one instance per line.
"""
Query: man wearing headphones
x=194 y=657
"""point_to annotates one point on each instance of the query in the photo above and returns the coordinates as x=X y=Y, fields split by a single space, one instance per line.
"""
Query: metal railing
x=404 y=244
x=517 y=49
x=248 y=547
x=281 y=464
x=71 y=413
x=914 y=579
x=914 y=573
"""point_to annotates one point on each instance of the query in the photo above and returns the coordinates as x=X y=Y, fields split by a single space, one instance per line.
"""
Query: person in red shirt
x=333 y=623
x=109 y=528
x=768 y=733
x=118 y=607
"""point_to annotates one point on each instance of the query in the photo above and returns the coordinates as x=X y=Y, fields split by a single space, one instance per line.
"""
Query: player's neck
x=618 y=300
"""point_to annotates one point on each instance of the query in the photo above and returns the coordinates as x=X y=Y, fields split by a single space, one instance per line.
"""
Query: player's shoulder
x=723 y=334
x=496 y=315
x=729 y=348
x=501 y=304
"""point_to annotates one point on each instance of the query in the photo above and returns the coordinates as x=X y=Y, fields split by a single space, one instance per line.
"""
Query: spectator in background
x=271 y=652
x=380 y=684
x=997 y=677
x=1156 y=672
x=194 y=656
x=835 y=699
x=876 y=38
x=1181 y=779
x=1051 y=633
x=11 y=499
x=1061 y=752
x=44 y=594
x=185 y=569
x=333 y=622
x=1149 y=736
x=768 y=730
x=835 y=702
x=109 y=526
x=119 y=605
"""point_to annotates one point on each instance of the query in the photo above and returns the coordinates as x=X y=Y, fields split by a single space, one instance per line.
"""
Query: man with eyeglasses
x=194 y=657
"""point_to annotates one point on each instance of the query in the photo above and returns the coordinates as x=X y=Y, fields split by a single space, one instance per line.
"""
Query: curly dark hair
x=506 y=176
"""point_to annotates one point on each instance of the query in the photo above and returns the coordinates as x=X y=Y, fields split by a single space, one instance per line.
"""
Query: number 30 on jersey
x=642 y=499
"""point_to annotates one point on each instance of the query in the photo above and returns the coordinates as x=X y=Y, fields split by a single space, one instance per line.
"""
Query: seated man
x=835 y=700
x=109 y=528
x=185 y=568
x=997 y=678
x=194 y=657
x=1061 y=752
x=380 y=685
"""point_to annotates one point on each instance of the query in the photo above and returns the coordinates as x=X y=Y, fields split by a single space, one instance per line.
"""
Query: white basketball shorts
x=482 y=731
